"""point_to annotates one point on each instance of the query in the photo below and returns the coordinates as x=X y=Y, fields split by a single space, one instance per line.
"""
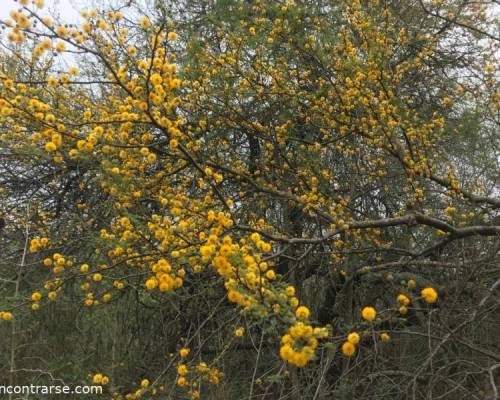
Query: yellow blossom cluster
x=100 y=379
x=164 y=280
x=192 y=375
x=37 y=244
x=175 y=194
x=299 y=344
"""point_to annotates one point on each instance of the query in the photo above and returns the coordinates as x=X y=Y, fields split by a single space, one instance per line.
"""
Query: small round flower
x=144 y=383
x=184 y=352
x=348 y=349
x=320 y=333
x=270 y=274
x=384 y=337
x=174 y=143
x=302 y=312
x=182 y=369
x=172 y=36
x=6 y=315
x=403 y=299
x=50 y=147
x=151 y=283
x=353 y=338
x=182 y=381
x=60 y=46
x=403 y=310
x=36 y=296
x=155 y=79
x=265 y=247
x=369 y=313
x=144 y=22
x=429 y=294
x=97 y=379
x=88 y=302
x=239 y=332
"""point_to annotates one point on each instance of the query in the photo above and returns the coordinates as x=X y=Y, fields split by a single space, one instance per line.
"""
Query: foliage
x=252 y=199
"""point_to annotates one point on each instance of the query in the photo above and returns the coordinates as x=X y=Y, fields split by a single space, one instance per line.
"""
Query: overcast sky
x=65 y=8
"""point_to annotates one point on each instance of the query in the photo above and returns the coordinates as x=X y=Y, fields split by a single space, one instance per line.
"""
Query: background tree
x=253 y=199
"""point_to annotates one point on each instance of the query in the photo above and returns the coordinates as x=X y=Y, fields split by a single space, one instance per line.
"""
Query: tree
x=294 y=187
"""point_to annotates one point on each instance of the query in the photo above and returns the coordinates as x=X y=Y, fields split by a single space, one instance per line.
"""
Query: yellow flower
x=151 y=283
x=144 y=22
x=348 y=349
x=385 y=337
x=144 y=383
x=203 y=367
x=174 y=144
x=403 y=299
x=156 y=79
x=254 y=236
x=50 y=147
x=36 y=296
x=172 y=36
x=6 y=315
x=97 y=379
x=266 y=247
x=182 y=381
x=97 y=277
x=429 y=294
x=184 y=352
x=239 y=332
x=270 y=274
x=353 y=338
x=119 y=285
x=60 y=47
x=302 y=312
x=369 y=313
x=182 y=369
x=51 y=81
